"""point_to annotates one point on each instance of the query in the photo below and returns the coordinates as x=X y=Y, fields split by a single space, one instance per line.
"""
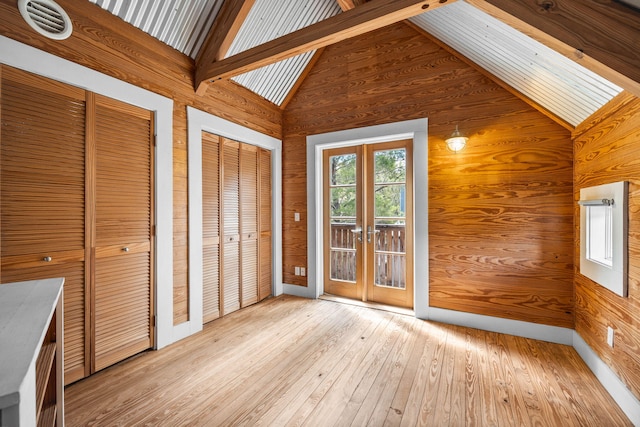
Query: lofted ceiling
x=556 y=83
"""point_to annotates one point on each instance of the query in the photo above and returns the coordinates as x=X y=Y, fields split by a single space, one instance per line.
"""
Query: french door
x=368 y=223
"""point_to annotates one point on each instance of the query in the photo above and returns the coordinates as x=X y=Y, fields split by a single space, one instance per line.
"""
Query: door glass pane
x=390 y=166
x=342 y=217
x=342 y=169
x=390 y=218
x=343 y=201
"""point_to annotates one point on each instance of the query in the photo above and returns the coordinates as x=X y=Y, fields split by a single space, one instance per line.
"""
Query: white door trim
x=27 y=58
x=410 y=129
x=201 y=121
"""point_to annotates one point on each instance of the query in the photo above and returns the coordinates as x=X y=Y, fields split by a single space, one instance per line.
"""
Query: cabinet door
x=210 y=226
x=42 y=195
x=264 y=195
x=249 y=223
x=123 y=247
x=231 y=226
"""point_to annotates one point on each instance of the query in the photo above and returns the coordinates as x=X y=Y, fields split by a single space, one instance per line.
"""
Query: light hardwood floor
x=293 y=361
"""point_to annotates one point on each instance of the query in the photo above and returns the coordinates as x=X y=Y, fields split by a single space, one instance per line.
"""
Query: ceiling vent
x=47 y=18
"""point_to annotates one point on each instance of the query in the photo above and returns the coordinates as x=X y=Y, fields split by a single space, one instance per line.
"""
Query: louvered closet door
x=210 y=226
x=249 y=224
x=231 y=226
x=264 y=195
x=123 y=282
x=42 y=196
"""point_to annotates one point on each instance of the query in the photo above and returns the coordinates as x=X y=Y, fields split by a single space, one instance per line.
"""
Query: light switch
x=610 y=335
x=296 y=216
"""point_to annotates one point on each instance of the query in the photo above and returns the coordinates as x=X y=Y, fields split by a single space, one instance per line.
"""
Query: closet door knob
x=47 y=259
x=125 y=249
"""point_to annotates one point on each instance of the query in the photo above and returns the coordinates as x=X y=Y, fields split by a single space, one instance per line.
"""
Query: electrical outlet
x=303 y=271
x=610 y=336
x=297 y=271
x=296 y=216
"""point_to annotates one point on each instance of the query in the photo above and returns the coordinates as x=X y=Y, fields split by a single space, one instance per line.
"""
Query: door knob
x=47 y=259
x=125 y=249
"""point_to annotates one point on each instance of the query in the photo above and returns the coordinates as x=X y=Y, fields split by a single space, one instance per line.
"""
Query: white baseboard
x=616 y=388
x=518 y=328
x=299 y=291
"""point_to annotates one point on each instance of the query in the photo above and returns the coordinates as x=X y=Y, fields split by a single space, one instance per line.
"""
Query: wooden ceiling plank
x=590 y=32
x=221 y=35
x=362 y=19
x=494 y=78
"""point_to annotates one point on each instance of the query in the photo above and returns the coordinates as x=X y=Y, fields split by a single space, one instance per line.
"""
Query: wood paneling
x=106 y=43
x=606 y=150
x=311 y=362
x=500 y=212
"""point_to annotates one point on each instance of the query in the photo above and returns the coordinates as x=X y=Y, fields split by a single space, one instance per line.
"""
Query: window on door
x=368 y=226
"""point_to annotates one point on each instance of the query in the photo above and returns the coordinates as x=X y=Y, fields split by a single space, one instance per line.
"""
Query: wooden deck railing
x=389 y=260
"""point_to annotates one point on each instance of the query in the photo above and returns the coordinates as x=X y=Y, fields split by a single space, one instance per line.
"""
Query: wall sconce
x=456 y=141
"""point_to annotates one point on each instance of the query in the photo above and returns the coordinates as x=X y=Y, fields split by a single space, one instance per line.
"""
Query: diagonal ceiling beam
x=362 y=19
x=349 y=4
x=604 y=31
x=221 y=35
x=494 y=78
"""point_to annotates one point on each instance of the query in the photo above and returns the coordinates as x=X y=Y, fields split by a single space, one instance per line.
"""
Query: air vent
x=47 y=18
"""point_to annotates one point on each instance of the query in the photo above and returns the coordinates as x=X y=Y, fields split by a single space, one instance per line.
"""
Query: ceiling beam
x=224 y=29
x=362 y=19
x=349 y=4
x=597 y=34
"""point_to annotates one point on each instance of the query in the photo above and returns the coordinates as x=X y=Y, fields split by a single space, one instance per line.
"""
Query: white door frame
x=199 y=121
x=316 y=144
x=28 y=58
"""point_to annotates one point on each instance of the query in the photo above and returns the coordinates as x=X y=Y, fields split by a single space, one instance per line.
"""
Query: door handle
x=358 y=230
x=370 y=232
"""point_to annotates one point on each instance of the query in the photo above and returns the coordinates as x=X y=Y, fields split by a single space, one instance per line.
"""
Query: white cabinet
x=31 y=354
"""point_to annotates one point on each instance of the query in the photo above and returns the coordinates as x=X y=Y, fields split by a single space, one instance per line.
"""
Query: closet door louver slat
x=231 y=226
x=265 y=281
x=236 y=225
x=123 y=252
x=211 y=226
x=249 y=223
x=42 y=195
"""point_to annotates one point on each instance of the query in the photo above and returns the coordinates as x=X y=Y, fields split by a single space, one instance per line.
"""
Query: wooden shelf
x=44 y=366
x=48 y=416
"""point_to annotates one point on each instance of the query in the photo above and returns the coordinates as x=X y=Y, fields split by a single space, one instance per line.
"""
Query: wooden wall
x=607 y=149
x=107 y=44
x=501 y=211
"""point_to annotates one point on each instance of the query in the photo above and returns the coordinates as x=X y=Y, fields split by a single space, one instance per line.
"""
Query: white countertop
x=26 y=309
